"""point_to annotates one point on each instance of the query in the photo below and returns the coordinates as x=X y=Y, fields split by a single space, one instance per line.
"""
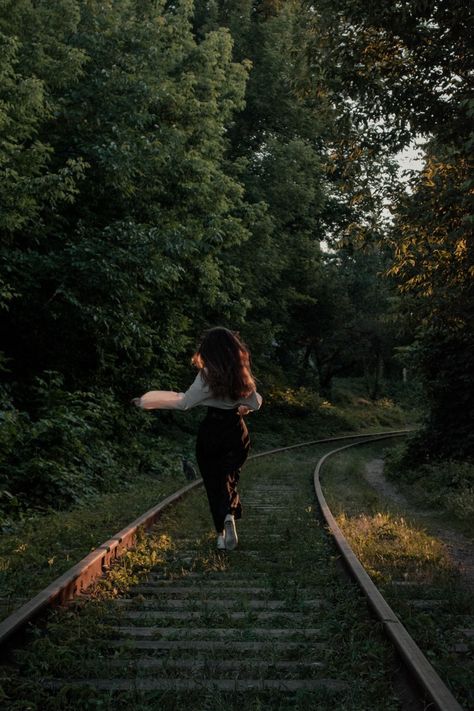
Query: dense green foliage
x=169 y=166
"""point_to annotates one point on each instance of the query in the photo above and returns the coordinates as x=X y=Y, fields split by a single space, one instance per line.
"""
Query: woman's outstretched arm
x=197 y=393
x=170 y=400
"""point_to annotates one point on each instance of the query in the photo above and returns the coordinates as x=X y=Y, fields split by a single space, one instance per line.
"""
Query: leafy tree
x=165 y=167
x=344 y=321
x=29 y=183
x=434 y=267
x=277 y=143
x=404 y=70
x=145 y=118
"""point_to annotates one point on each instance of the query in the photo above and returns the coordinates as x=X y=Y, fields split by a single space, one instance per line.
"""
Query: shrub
x=293 y=402
x=78 y=444
x=445 y=485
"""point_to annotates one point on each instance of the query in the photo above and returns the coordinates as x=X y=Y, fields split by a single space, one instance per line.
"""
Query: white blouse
x=198 y=394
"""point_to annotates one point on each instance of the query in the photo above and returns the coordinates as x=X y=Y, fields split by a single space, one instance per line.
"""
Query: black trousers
x=222 y=447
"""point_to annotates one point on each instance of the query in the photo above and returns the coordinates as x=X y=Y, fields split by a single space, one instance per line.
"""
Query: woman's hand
x=243 y=410
x=135 y=401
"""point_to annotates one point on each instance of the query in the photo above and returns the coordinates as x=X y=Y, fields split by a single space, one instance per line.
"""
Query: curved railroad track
x=204 y=622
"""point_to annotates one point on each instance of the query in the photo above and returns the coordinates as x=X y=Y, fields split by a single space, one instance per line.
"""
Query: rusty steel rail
x=368 y=437
x=78 y=578
x=413 y=657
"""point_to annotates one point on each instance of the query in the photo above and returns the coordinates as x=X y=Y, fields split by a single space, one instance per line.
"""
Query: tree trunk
x=304 y=366
x=325 y=384
x=373 y=378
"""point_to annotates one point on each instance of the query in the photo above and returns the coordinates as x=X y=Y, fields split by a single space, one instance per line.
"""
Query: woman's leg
x=221 y=451
x=217 y=495
x=221 y=490
x=234 y=504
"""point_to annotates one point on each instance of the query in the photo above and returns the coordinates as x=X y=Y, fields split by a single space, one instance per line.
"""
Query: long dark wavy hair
x=224 y=361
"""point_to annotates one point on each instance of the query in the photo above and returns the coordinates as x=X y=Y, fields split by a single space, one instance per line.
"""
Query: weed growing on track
x=432 y=601
x=301 y=558
x=390 y=547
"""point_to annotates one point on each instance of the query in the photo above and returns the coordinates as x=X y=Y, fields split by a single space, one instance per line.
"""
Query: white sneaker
x=230 y=533
x=220 y=542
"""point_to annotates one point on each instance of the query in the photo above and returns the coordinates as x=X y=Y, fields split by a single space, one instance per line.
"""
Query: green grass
x=386 y=538
x=445 y=488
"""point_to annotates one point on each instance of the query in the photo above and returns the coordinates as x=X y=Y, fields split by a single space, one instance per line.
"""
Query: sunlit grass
x=390 y=547
x=148 y=552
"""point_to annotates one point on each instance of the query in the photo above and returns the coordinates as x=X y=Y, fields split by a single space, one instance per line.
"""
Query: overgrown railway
x=274 y=624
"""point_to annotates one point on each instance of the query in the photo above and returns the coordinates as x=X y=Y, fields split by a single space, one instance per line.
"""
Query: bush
x=293 y=402
x=444 y=485
x=77 y=444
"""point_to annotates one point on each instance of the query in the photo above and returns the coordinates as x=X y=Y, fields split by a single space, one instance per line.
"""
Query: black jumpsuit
x=222 y=444
x=222 y=447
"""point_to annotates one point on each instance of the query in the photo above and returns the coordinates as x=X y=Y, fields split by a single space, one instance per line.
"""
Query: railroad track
x=268 y=622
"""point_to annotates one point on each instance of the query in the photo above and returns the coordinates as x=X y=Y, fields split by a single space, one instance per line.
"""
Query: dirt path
x=460 y=548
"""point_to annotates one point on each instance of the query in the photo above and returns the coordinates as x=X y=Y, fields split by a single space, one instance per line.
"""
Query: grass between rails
x=302 y=558
x=395 y=545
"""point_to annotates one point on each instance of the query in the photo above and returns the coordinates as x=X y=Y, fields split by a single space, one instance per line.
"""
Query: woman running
x=226 y=386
